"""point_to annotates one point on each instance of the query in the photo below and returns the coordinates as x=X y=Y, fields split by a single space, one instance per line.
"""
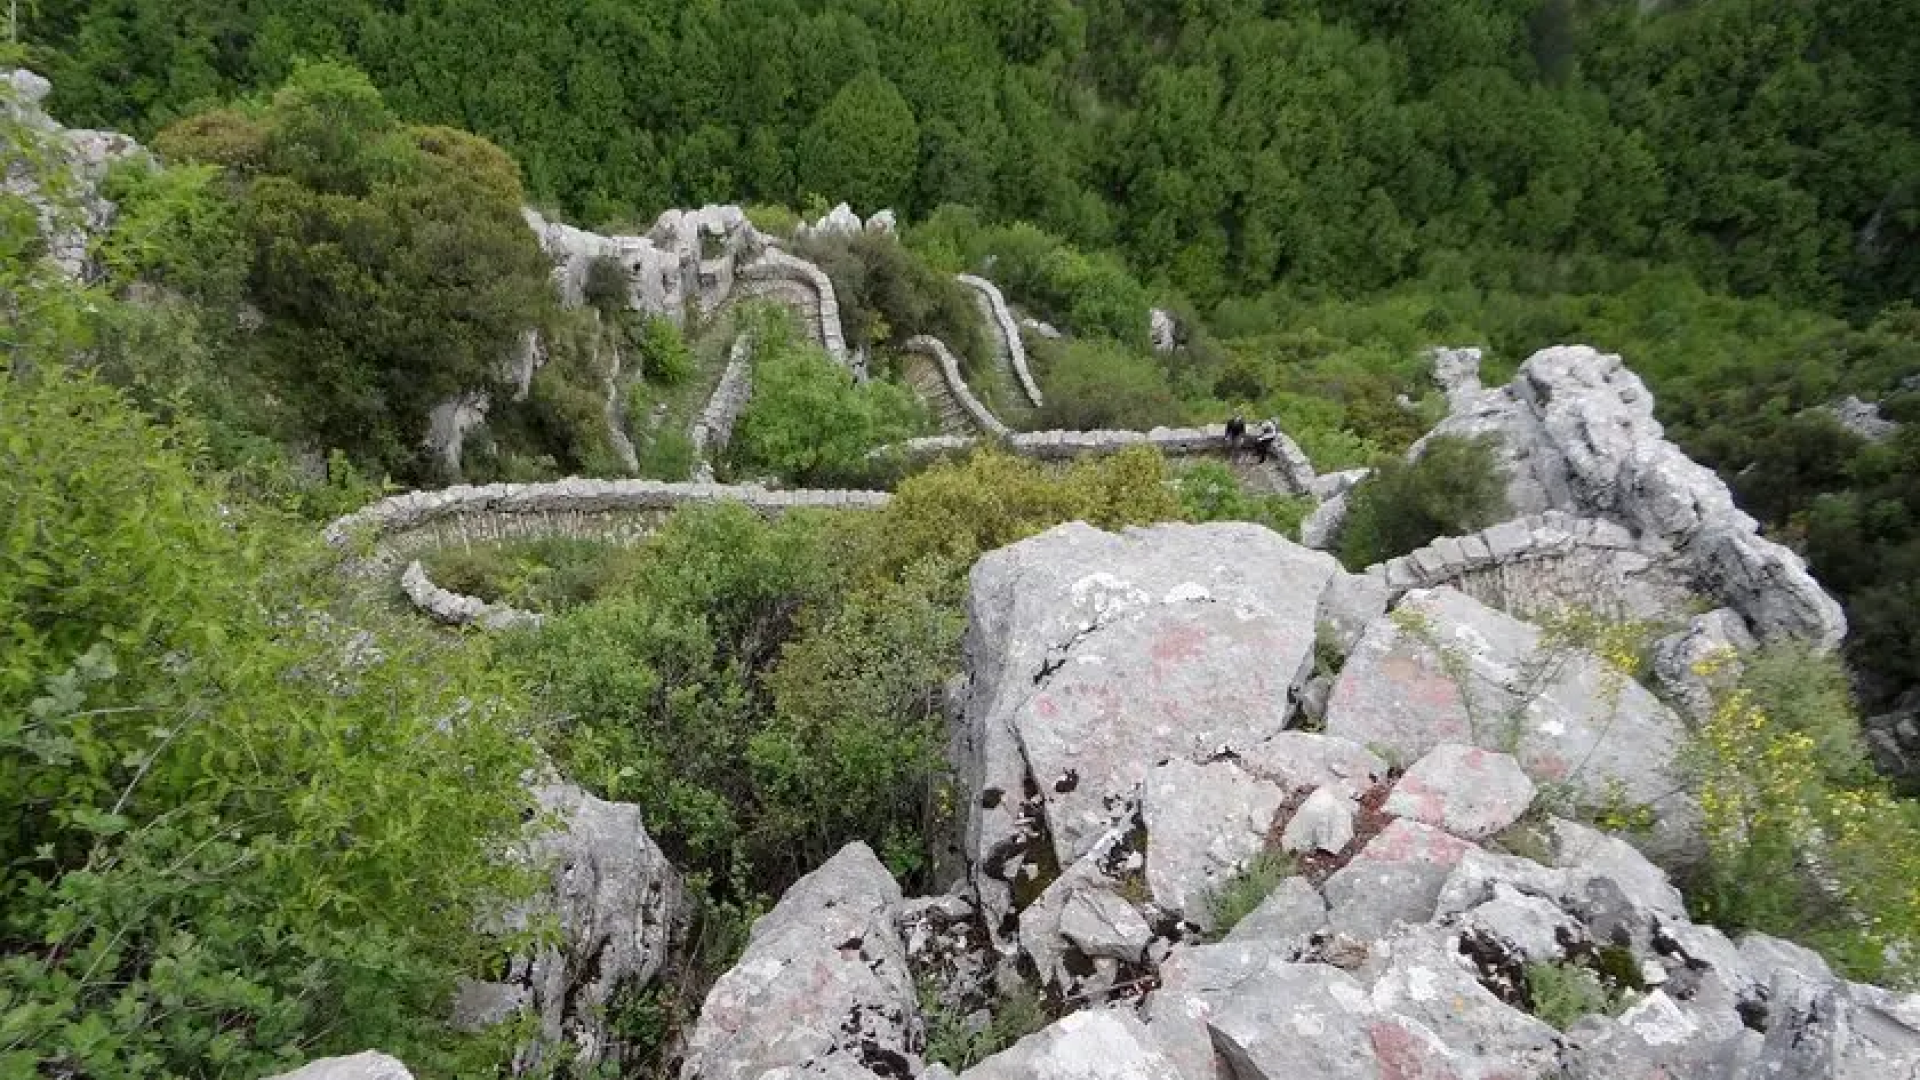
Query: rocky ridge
x=1127 y=742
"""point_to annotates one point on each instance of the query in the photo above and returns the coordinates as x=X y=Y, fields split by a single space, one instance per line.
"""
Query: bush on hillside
x=1455 y=487
x=811 y=423
x=391 y=264
x=887 y=295
x=1797 y=847
x=1103 y=384
x=238 y=837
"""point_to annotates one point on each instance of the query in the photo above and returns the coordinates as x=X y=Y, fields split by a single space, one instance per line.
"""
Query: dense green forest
x=1768 y=146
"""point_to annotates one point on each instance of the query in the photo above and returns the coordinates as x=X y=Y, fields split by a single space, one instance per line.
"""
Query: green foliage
x=1455 y=487
x=887 y=295
x=1101 y=384
x=1248 y=889
x=240 y=838
x=1209 y=491
x=862 y=147
x=538 y=575
x=958 y=511
x=957 y=1042
x=665 y=357
x=1798 y=846
x=1562 y=992
x=810 y=422
x=391 y=264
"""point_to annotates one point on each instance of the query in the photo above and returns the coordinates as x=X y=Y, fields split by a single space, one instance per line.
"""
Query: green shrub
x=1102 y=384
x=1239 y=895
x=666 y=454
x=811 y=423
x=955 y=1041
x=605 y=287
x=665 y=356
x=1456 y=487
x=238 y=837
x=887 y=295
x=1796 y=850
x=1561 y=992
x=1209 y=491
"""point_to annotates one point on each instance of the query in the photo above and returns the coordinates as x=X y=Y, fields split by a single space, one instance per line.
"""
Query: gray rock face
x=823 y=988
x=1696 y=665
x=1163 y=330
x=1092 y=657
x=1320 y=530
x=70 y=221
x=618 y=904
x=1300 y=761
x=1288 y=917
x=1444 y=668
x=1097 y=1045
x=688 y=256
x=1397 y=878
x=367 y=1065
x=1465 y=790
x=1323 y=823
x=1204 y=822
x=364 y=1066
x=1576 y=432
x=1862 y=418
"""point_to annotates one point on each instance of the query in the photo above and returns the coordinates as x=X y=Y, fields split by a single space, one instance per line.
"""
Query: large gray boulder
x=1465 y=790
x=1100 y=1044
x=1444 y=668
x=1396 y=878
x=1092 y=658
x=363 y=1066
x=823 y=988
x=618 y=904
x=1575 y=432
x=1204 y=823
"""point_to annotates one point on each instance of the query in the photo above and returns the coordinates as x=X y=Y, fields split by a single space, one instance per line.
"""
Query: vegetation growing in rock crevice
x=1454 y=488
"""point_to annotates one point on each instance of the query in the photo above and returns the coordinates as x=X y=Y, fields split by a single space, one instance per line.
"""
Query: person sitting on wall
x=1264 y=438
x=1236 y=430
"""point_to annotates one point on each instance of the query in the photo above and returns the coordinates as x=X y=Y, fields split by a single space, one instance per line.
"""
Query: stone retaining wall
x=981 y=416
x=1287 y=472
x=455 y=609
x=1001 y=317
x=713 y=429
x=398 y=528
x=1531 y=565
x=818 y=303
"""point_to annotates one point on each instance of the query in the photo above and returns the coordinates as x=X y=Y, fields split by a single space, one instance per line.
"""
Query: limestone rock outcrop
x=1092 y=657
x=823 y=988
x=618 y=904
x=687 y=257
x=1576 y=433
x=1444 y=668
x=1123 y=744
x=80 y=213
x=364 y=1066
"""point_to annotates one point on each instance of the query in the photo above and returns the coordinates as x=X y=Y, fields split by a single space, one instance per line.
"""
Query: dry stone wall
x=1286 y=472
x=392 y=532
x=977 y=414
x=1014 y=351
x=1531 y=565
x=713 y=429
x=780 y=275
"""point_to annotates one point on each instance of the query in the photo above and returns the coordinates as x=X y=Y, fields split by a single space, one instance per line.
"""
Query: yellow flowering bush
x=1797 y=854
